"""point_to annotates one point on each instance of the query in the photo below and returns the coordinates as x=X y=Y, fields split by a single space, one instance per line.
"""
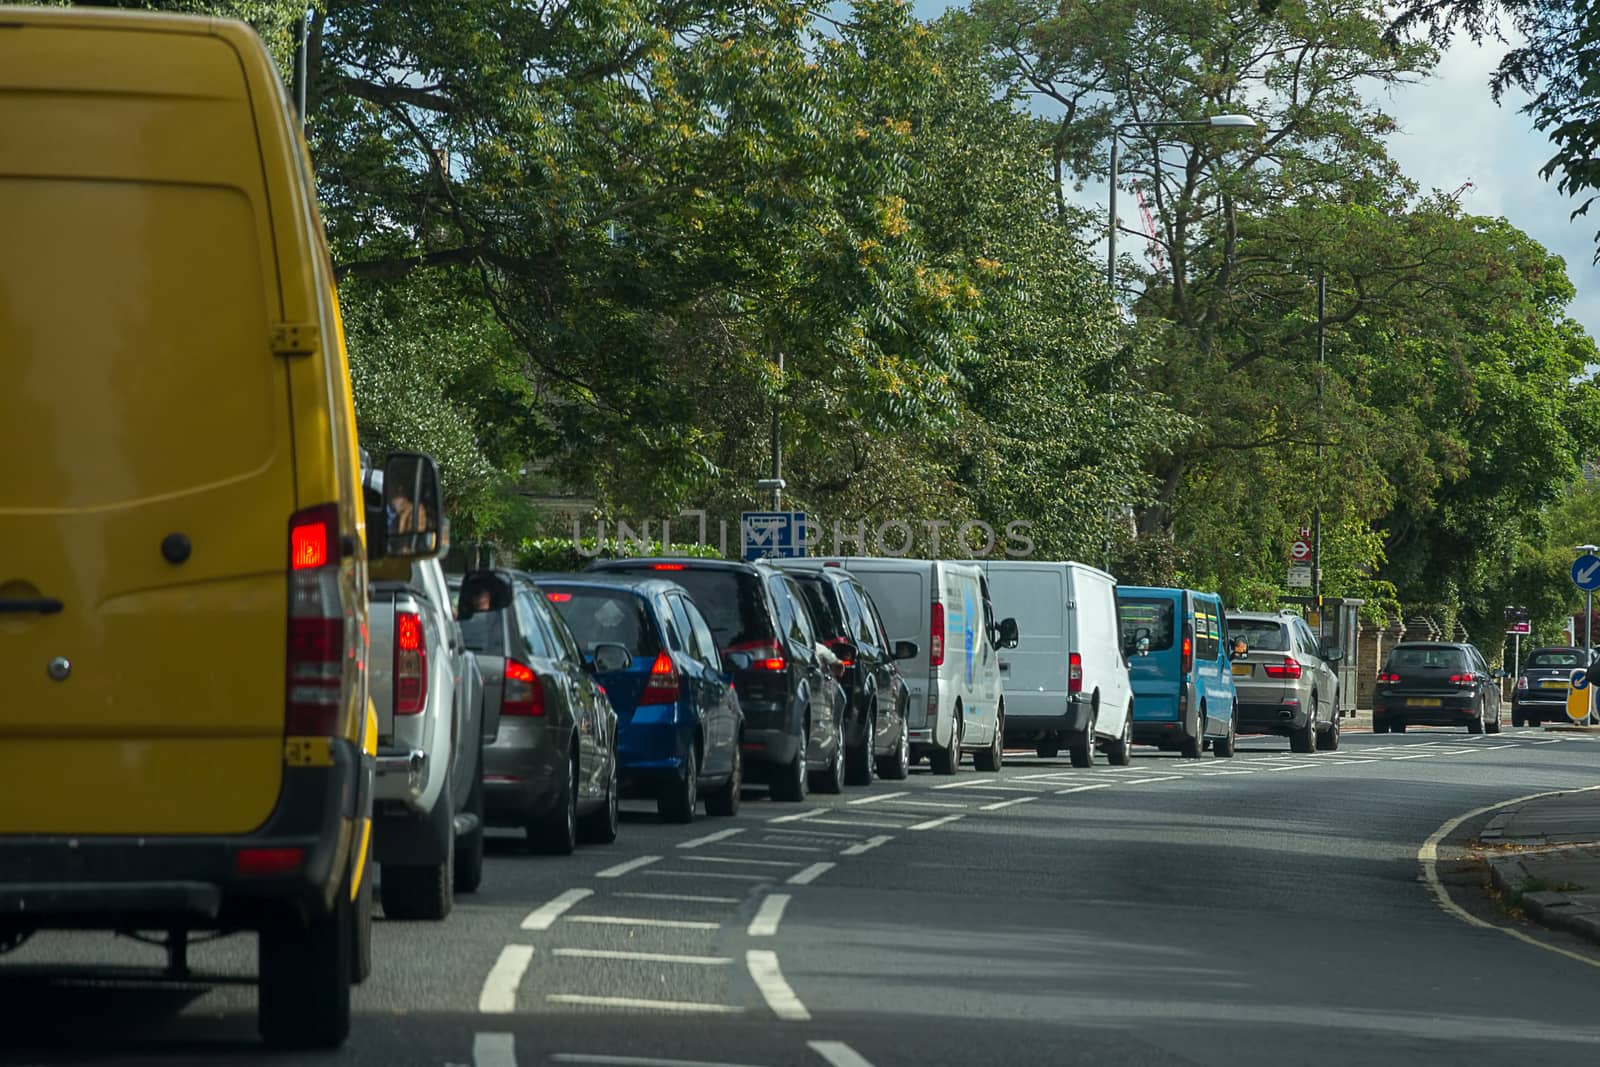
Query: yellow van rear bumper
x=196 y=882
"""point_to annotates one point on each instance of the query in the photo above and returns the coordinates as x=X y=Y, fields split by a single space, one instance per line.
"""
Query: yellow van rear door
x=146 y=434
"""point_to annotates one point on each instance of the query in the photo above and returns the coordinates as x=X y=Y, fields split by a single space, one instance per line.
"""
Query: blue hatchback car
x=1180 y=664
x=678 y=717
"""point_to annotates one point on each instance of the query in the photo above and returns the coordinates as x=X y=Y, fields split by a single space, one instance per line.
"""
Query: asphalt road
x=1267 y=910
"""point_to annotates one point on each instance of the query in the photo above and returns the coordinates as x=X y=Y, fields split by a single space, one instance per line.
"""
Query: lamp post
x=1244 y=122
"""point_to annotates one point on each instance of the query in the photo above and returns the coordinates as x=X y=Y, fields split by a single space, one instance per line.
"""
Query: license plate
x=1553 y=684
x=1425 y=702
x=1242 y=670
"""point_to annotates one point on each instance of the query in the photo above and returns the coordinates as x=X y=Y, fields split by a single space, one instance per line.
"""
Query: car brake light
x=668 y=566
x=1388 y=677
x=260 y=861
x=410 y=664
x=558 y=598
x=1188 y=652
x=936 y=636
x=1522 y=683
x=833 y=563
x=764 y=656
x=1289 y=668
x=1464 y=679
x=315 y=659
x=521 y=694
x=662 y=686
x=840 y=647
x=1074 y=673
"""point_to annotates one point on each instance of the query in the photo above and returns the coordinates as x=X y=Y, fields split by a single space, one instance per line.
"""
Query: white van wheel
x=992 y=758
x=1081 y=747
x=946 y=760
x=1120 y=752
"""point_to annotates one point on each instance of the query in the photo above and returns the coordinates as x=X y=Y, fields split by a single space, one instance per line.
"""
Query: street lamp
x=1243 y=122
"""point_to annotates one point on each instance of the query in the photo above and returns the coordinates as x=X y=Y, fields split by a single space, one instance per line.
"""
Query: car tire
x=723 y=801
x=1380 y=726
x=793 y=781
x=1328 y=740
x=557 y=835
x=469 y=850
x=1397 y=728
x=1517 y=719
x=1493 y=725
x=832 y=779
x=361 y=935
x=1475 y=724
x=680 y=799
x=991 y=759
x=1080 y=747
x=858 y=760
x=898 y=766
x=305 y=977
x=422 y=893
x=947 y=760
x=1225 y=747
x=600 y=827
x=1047 y=750
x=1303 y=740
x=1193 y=747
x=1119 y=753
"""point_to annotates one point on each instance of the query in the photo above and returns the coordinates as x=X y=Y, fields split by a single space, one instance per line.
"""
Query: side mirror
x=906 y=650
x=411 y=515
x=1142 y=646
x=739 y=661
x=1333 y=655
x=480 y=593
x=609 y=657
x=1008 y=633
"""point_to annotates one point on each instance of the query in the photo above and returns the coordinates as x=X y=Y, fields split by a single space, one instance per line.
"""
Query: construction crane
x=1154 y=250
x=1463 y=187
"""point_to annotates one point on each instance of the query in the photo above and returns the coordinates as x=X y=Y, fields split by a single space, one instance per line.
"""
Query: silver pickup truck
x=426 y=687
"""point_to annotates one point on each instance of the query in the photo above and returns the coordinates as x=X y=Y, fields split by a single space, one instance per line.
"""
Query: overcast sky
x=1452 y=132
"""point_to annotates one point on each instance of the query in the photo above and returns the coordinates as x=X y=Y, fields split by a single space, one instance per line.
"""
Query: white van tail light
x=1075 y=673
x=936 y=636
x=314 y=679
x=410 y=664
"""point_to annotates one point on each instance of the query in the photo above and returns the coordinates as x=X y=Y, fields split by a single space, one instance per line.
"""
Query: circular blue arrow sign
x=1586 y=573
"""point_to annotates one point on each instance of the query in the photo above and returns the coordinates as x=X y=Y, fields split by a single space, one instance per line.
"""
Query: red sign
x=1301 y=552
x=1520 y=628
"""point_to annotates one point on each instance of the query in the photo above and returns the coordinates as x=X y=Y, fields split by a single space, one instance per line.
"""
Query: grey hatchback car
x=1285 y=680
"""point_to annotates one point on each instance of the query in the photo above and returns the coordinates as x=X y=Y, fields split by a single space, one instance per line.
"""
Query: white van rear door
x=1034 y=594
x=903 y=599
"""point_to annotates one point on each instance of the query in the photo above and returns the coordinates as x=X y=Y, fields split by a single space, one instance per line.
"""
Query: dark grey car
x=552 y=768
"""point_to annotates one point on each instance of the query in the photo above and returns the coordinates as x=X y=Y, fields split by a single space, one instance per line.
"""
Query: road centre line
x=603 y=1060
x=682 y=898
x=880 y=797
x=724 y=876
x=1290 y=767
x=541 y=917
x=838 y=1054
x=811 y=873
x=768 y=916
x=934 y=823
x=997 y=805
x=1083 y=788
x=494 y=1050
x=742 y=862
x=627 y=920
x=809 y=813
x=499 y=995
x=641 y=1003
x=867 y=845
x=630 y=865
x=646 y=957
x=720 y=835
x=763 y=966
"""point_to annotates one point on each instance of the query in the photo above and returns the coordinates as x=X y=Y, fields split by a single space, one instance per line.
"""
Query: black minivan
x=792 y=704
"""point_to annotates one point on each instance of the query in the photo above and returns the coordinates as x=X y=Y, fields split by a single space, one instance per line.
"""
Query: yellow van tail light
x=314 y=695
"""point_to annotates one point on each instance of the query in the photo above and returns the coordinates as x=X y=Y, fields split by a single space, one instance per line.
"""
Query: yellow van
x=186 y=741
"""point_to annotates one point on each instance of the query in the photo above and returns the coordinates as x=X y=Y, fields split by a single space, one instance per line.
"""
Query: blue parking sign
x=772 y=534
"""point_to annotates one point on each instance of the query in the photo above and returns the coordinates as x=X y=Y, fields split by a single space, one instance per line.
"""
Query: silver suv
x=1286 y=682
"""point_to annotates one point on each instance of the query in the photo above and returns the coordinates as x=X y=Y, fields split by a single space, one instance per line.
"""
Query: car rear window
x=1440 y=657
x=1558 y=658
x=1263 y=635
x=824 y=611
x=485 y=632
x=730 y=600
x=1140 y=617
x=605 y=616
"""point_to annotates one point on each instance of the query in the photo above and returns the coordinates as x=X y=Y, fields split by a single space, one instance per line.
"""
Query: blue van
x=1179 y=661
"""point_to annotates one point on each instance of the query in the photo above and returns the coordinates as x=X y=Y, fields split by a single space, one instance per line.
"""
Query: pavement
x=1267 y=910
x=1544 y=856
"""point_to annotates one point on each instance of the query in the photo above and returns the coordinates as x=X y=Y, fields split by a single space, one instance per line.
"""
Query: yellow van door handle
x=41 y=605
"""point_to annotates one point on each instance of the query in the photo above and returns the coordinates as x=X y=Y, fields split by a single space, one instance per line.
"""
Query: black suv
x=1543 y=685
x=877 y=700
x=791 y=703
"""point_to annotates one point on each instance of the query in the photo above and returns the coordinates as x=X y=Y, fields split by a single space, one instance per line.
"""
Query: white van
x=1066 y=682
x=957 y=702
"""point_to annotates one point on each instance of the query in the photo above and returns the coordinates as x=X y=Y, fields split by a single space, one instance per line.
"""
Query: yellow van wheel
x=304 y=995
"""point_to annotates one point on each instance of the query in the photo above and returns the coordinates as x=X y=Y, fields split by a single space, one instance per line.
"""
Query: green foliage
x=563 y=554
